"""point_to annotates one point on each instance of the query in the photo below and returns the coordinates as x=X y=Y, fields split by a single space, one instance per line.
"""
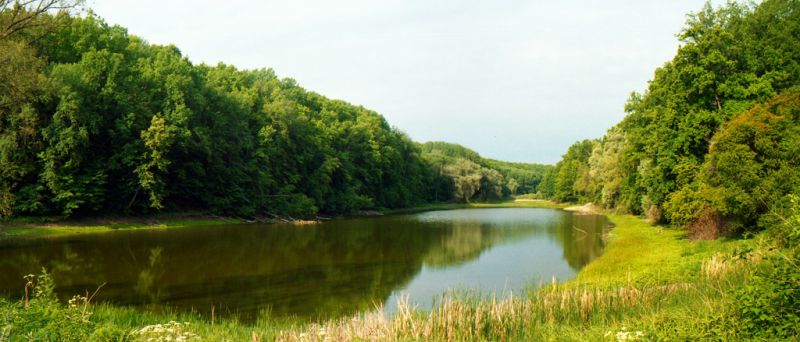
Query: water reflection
x=331 y=269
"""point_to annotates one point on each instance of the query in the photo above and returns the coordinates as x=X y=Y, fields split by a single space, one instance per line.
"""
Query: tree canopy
x=471 y=176
x=95 y=120
x=710 y=143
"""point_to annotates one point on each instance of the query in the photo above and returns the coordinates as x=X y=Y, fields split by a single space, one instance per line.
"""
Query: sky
x=514 y=80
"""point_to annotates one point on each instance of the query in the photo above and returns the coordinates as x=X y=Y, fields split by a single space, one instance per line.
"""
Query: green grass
x=45 y=227
x=523 y=203
x=48 y=227
x=527 y=196
x=500 y=204
x=131 y=319
x=28 y=230
x=641 y=254
x=651 y=281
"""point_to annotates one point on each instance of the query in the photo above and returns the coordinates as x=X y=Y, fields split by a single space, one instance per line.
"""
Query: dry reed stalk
x=454 y=319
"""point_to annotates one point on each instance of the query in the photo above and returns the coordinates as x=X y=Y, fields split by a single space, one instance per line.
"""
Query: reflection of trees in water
x=336 y=268
x=460 y=243
x=150 y=276
x=464 y=241
x=581 y=237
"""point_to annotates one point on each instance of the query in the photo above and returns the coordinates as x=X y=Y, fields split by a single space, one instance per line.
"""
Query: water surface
x=329 y=269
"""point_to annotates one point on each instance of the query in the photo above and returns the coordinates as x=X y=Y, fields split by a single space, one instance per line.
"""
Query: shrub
x=40 y=317
x=707 y=226
x=770 y=305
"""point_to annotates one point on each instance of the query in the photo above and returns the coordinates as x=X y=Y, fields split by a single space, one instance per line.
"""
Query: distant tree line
x=95 y=120
x=714 y=142
x=463 y=172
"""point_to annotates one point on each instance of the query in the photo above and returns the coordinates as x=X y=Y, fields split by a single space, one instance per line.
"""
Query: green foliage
x=527 y=176
x=463 y=174
x=652 y=285
x=750 y=169
x=512 y=186
x=40 y=317
x=769 y=305
x=714 y=139
x=466 y=176
x=568 y=180
x=98 y=120
x=790 y=229
x=450 y=150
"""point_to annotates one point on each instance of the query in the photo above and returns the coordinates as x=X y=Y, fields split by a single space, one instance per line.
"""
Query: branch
x=24 y=13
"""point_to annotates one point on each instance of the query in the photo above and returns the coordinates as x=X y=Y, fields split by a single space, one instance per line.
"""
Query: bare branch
x=25 y=12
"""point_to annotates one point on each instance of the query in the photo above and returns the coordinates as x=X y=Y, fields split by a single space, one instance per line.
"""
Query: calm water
x=329 y=269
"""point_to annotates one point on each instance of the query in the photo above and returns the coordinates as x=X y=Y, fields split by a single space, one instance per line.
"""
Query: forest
x=463 y=173
x=713 y=144
x=700 y=181
x=95 y=120
x=712 y=147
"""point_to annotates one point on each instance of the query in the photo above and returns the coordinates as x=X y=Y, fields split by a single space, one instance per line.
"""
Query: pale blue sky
x=513 y=80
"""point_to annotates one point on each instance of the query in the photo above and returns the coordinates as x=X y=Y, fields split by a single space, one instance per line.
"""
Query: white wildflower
x=172 y=331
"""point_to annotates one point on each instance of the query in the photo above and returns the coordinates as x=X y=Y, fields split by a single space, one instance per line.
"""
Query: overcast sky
x=514 y=80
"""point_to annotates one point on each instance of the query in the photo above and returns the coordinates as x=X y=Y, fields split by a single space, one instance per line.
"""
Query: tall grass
x=552 y=313
x=651 y=284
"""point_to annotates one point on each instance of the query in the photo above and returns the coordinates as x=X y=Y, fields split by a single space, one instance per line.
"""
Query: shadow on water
x=325 y=270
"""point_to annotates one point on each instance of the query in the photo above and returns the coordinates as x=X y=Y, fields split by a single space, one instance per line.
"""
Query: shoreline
x=586 y=209
x=28 y=227
x=655 y=269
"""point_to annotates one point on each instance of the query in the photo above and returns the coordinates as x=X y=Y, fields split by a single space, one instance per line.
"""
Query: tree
x=491 y=184
x=709 y=144
x=605 y=168
x=23 y=87
x=512 y=186
x=750 y=170
x=18 y=16
x=466 y=177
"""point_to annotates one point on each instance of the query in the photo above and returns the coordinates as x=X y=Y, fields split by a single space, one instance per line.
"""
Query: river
x=324 y=270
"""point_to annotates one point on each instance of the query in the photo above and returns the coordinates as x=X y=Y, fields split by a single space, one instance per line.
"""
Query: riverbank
x=26 y=228
x=45 y=228
x=586 y=209
x=651 y=283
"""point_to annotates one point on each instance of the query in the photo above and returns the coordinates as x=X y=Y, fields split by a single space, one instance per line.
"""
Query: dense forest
x=713 y=144
x=464 y=173
x=93 y=119
x=96 y=121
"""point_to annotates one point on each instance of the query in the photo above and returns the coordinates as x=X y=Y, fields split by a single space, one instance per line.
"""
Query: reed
x=552 y=313
x=649 y=285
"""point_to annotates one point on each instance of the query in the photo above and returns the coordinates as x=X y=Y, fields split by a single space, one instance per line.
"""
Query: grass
x=650 y=284
x=523 y=203
x=31 y=227
x=641 y=254
x=128 y=320
x=528 y=196
x=25 y=229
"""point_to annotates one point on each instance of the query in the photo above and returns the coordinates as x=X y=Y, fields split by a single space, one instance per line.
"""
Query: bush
x=707 y=226
x=789 y=233
x=40 y=317
x=770 y=305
